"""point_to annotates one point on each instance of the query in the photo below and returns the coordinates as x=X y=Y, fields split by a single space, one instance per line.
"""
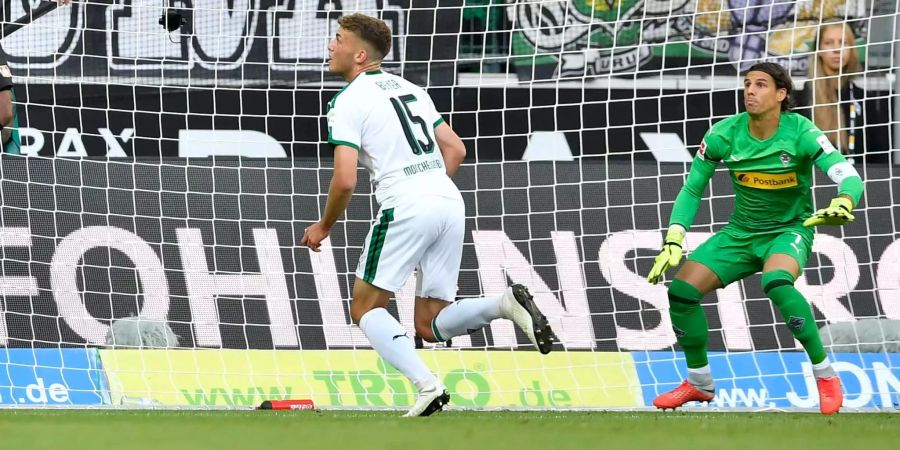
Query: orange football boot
x=686 y=392
x=830 y=395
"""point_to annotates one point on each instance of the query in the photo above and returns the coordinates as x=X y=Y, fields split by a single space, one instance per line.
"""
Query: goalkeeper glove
x=837 y=213
x=670 y=254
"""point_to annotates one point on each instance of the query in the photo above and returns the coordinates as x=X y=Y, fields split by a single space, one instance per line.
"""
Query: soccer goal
x=172 y=153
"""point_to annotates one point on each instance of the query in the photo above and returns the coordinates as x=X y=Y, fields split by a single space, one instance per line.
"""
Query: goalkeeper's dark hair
x=371 y=30
x=782 y=80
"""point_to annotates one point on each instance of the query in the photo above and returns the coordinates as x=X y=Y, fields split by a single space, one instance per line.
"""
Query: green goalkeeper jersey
x=771 y=178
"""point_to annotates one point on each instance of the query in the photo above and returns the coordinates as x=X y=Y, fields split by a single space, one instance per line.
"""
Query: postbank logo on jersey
x=760 y=180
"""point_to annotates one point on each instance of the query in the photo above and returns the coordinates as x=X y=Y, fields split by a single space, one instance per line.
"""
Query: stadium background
x=112 y=202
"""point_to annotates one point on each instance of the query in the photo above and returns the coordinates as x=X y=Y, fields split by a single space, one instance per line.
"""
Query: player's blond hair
x=371 y=30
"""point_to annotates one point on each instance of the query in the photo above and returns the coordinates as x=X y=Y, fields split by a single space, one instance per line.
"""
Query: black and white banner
x=222 y=43
x=496 y=123
x=211 y=247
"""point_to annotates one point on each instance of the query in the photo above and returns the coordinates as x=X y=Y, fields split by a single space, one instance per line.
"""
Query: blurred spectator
x=836 y=103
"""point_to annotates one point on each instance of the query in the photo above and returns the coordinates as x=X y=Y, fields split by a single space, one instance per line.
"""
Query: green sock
x=798 y=315
x=689 y=322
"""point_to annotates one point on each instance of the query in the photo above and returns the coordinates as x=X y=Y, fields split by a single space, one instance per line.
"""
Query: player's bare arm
x=343 y=183
x=452 y=147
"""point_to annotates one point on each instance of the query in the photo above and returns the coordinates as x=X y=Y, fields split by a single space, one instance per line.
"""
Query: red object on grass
x=288 y=405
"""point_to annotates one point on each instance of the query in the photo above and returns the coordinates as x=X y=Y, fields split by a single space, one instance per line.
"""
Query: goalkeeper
x=769 y=152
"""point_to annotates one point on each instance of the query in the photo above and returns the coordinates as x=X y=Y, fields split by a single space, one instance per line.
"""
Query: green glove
x=837 y=213
x=670 y=254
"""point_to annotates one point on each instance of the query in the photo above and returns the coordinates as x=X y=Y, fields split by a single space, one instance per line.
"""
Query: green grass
x=169 y=430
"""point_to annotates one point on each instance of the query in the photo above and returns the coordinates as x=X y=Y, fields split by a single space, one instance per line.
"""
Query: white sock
x=465 y=317
x=393 y=343
x=823 y=369
x=701 y=378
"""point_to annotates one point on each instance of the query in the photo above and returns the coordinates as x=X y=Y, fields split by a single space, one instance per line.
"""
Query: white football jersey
x=391 y=122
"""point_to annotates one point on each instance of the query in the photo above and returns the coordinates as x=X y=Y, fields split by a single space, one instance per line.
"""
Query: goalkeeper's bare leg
x=691 y=283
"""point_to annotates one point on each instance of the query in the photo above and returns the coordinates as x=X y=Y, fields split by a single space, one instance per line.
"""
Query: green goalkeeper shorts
x=734 y=255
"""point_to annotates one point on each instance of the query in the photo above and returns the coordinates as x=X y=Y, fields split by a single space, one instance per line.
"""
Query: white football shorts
x=427 y=234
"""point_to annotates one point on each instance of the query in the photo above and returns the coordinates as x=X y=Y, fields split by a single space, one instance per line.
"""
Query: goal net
x=150 y=226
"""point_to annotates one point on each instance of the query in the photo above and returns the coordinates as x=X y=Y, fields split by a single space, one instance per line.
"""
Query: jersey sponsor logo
x=825 y=144
x=759 y=180
x=702 y=151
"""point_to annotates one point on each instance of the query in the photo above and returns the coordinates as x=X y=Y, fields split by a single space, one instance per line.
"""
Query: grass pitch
x=452 y=430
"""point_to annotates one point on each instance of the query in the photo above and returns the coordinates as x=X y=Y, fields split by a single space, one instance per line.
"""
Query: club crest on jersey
x=785 y=159
x=4 y=70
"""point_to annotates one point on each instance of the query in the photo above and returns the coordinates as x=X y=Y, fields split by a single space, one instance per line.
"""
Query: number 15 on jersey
x=407 y=119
